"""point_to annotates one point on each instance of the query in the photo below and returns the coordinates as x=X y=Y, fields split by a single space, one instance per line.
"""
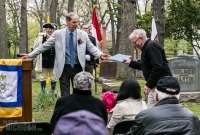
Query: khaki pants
x=44 y=74
x=151 y=98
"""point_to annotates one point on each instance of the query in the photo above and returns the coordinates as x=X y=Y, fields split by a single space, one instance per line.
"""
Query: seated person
x=109 y=99
x=80 y=123
x=81 y=99
x=167 y=117
x=128 y=103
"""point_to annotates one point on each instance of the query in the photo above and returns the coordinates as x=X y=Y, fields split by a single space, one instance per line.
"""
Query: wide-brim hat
x=50 y=25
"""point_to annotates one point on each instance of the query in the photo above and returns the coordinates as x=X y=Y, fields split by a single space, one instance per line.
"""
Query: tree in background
x=111 y=13
x=12 y=40
x=3 y=44
x=158 y=13
x=182 y=22
x=173 y=47
x=127 y=26
x=13 y=20
x=114 y=11
x=62 y=6
x=144 y=22
x=37 y=12
x=71 y=5
x=53 y=9
x=23 y=29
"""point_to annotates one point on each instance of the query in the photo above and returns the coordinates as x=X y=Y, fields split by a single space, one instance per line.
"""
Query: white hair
x=162 y=95
x=138 y=33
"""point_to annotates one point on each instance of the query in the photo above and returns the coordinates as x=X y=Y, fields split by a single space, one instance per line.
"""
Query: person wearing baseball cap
x=81 y=99
x=45 y=61
x=80 y=123
x=167 y=116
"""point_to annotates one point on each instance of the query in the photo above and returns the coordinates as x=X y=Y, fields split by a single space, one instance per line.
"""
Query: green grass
x=194 y=107
x=43 y=106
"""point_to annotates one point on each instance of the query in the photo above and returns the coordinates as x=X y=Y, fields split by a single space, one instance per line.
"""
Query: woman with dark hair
x=128 y=103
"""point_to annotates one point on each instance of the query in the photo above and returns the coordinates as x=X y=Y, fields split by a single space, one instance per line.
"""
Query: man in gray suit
x=70 y=47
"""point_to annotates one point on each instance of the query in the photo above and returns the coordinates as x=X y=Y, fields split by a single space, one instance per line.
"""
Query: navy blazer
x=93 y=40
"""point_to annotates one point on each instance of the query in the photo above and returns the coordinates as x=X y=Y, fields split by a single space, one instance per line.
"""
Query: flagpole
x=95 y=76
x=96 y=32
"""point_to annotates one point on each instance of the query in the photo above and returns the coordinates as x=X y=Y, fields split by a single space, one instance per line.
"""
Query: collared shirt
x=144 y=42
x=67 y=56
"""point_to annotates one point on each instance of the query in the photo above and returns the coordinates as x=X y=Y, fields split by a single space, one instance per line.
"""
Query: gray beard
x=48 y=35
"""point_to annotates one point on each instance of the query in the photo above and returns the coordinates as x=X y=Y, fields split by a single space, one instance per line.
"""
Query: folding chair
x=123 y=127
x=28 y=128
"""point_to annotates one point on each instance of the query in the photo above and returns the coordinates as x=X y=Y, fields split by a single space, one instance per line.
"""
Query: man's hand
x=127 y=61
x=146 y=90
x=24 y=55
x=87 y=57
x=105 y=56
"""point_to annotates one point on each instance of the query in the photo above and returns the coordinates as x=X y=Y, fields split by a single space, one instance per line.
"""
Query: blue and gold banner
x=10 y=88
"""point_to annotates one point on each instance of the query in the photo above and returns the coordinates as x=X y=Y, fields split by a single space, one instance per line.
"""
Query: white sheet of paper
x=119 y=57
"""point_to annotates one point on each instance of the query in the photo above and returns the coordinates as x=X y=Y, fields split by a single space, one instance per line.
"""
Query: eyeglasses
x=133 y=43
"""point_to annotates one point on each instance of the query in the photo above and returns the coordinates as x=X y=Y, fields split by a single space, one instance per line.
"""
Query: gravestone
x=108 y=69
x=186 y=71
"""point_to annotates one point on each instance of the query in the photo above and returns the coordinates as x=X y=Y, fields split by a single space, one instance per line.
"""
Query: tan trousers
x=44 y=74
x=151 y=98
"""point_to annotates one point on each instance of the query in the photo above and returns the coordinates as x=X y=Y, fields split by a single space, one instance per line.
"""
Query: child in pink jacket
x=109 y=100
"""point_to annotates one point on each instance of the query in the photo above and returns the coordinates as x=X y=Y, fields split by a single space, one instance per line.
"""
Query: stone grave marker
x=186 y=70
x=108 y=69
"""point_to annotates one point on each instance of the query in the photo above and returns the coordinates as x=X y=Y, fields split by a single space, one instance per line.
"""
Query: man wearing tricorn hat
x=45 y=61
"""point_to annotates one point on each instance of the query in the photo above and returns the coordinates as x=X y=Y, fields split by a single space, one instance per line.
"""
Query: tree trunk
x=116 y=48
x=146 y=6
x=158 y=13
x=38 y=12
x=112 y=25
x=127 y=26
x=71 y=5
x=60 y=9
x=3 y=43
x=23 y=28
x=53 y=9
x=13 y=8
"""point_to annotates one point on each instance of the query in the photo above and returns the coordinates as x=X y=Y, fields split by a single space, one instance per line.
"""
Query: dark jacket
x=93 y=40
x=168 y=117
x=154 y=64
x=48 y=56
x=79 y=100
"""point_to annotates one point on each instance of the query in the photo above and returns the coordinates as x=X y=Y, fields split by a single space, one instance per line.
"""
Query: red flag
x=96 y=32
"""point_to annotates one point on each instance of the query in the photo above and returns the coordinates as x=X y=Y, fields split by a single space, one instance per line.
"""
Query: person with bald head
x=71 y=45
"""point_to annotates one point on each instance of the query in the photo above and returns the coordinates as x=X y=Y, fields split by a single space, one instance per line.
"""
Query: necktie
x=71 y=46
